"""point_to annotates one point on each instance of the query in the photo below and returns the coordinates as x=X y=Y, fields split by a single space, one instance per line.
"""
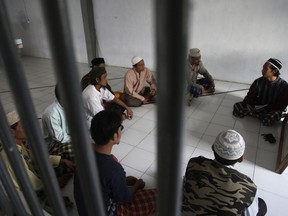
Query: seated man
x=94 y=94
x=267 y=96
x=55 y=129
x=214 y=187
x=30 y=167
x=85 y=81
x=135 y=93
x=198 y=87
x=121 y=195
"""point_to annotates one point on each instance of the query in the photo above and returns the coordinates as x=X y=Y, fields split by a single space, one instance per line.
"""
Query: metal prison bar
x=171 y=35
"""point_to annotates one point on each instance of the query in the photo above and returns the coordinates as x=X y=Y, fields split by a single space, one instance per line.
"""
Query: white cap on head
x=229 y=145
x=13 y=117
x=136 y=59
x=194 y=52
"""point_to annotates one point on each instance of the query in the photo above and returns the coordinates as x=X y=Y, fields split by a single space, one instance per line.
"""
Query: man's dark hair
x=104 y=125
x=57 y=92
x=96 y=72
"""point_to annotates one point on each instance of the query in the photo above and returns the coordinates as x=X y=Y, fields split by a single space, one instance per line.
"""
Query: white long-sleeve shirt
x=55 y=127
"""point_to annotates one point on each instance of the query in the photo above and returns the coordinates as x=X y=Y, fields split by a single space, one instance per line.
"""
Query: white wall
x=235 y=37
x=28 y=24
x=125 y=28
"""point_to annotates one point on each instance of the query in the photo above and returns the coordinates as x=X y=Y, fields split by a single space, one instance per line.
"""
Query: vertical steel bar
x=58 y=27
x=11 y=191
x=5 y=203
x=19 y=87
x=171 y=37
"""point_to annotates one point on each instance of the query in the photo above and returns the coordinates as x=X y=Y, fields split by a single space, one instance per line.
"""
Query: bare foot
x=189 y=101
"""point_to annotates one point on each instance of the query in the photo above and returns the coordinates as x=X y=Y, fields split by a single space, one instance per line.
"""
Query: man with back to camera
x=55 y=129
x=267 y=96
x=214 y=187
x=135 y=91
x=122 y=195
x=198 y=87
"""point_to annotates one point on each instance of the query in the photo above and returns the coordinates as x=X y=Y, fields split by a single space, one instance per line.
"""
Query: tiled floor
x=203 y=121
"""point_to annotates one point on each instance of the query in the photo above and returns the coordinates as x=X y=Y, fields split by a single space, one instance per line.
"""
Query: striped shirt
x=264 y=92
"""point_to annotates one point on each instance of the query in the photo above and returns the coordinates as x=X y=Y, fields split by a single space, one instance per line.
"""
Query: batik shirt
x=211 y=188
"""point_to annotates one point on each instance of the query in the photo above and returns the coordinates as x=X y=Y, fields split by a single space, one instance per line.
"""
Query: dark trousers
x=135 y=102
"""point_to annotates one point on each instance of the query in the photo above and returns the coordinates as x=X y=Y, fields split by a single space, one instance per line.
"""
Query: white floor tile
x=276 y=205
x=150 y=181
x=250 y=138
x=223 y=110
x=192 y=138
x=144 y=125
x=215 y=129
x=248 y=123
x=132 y=136
x=196 y=125
x=271 y=182
x=139 y=159
x=224 y=120
x=149 y=144
x=202 y=115
x=121 y=150
x=266 y=159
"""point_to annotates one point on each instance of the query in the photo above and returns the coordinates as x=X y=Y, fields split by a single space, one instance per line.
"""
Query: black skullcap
x=97 y=72
x=276 y=63
x=97 y=61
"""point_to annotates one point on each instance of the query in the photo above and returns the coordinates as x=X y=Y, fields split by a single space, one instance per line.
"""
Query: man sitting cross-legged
x=121 y=195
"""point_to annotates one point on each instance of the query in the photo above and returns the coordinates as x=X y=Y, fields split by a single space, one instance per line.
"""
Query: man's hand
x=129 y=113
x=146 y=101
x=251 y=110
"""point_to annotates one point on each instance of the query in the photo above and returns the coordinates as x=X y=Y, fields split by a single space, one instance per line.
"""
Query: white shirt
x=55 y=127
x=93 y=101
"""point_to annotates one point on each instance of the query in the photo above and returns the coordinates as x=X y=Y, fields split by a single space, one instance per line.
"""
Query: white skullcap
x=229 y=145
x=194 y=52
x=136 y=59
x=13 y=117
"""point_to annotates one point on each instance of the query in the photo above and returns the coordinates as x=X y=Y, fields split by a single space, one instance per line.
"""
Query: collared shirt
x=194 y=72
x=93 y=101
x=55 y=127
x=134 y=82
x=29 y=166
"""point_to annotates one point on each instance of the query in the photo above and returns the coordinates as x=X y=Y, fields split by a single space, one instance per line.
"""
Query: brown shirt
x=134 y=82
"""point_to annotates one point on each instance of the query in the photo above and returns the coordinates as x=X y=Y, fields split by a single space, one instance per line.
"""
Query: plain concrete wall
x=28 y=24
x=235 y=37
